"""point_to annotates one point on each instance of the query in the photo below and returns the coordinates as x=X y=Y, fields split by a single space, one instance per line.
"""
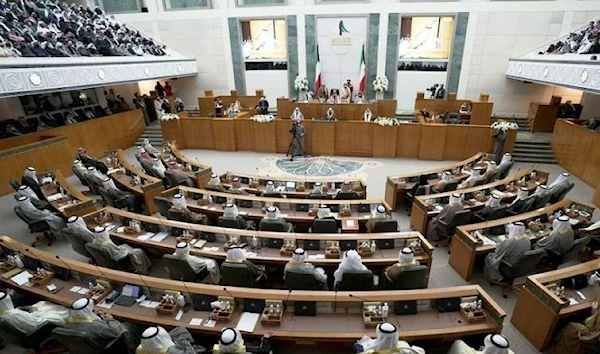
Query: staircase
x=533 y=151
x=152 y=133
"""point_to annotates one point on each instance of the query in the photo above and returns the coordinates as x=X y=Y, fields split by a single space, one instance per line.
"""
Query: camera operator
x=433 y=90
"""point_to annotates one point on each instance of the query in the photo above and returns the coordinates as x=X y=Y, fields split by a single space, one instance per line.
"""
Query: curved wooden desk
x=397 y=186
x=344 y=325
x=331 y=185
x=466 y=246
x=251 y=207
x=539 y=313
x=126 y=176
x=68 y=202
x=380 y=259
x=194 y=169
x=426 y=207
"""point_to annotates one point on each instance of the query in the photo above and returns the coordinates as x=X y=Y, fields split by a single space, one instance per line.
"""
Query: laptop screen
x=290 y=185
x=131 y=290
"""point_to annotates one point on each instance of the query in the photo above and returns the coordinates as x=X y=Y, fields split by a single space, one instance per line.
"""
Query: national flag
x=362 y=81
x=317 y=73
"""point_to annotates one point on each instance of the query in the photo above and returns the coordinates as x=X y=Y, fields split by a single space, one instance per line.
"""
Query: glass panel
x=264 y=39
x=183 y=4
x=425 y=37
x=259 y=2
x=119 y=6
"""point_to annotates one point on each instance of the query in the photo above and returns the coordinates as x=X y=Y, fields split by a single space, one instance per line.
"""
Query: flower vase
x=301 y=96
x=379 y=95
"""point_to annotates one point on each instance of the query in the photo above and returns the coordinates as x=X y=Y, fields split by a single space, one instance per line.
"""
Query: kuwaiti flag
x=362 y=74
x=317 y=73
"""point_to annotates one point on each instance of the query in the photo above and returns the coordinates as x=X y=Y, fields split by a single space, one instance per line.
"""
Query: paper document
x=247 y=322
x=144 y=237
x=573 y=222
x=316 y=256
x=210 y=323
x=22 y=278
x=211 y=249
x=46 y=180
x=350 y=223
x=251 y=254
x=105 y=305
x=54 y=197
x=83 y=291
x=112 y=170
x=439 y=207
x=159 y=236
x=75 y=289
x=121 y=229
x=178 y=316
x=196 y=321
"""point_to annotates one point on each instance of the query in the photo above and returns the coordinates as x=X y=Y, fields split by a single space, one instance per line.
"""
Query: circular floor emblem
x=318 y=166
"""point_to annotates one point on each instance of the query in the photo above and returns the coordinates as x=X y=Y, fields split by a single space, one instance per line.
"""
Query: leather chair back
x=499 y=212
x=349 y=195
x=411 y=278
x=34 y=226
x=237 y=274
x=561 y=194
x=527 y=265
x=272 y=195
x=324 y=226
x=356 y=280
x=177 y=215
x=14 y=184
x=163 y=205
x=578 y=246
x=387 y=225
x=449 y=187
x=101 y=256
x=179 y=269
x=32 y=340
x=298 y=280
x=75 y=342
x=541 y=202
x=76 y=242
x=229 y=223
x=272 y=225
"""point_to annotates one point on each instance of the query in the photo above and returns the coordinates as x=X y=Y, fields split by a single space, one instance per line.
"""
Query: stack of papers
x=247 y=322
x=159 y=236
x=251 y=254
x=22 y=278
x=196 y=321
x=46 y=180
x=145 y=236
x=112 y=170
x=211 y=249
x=149 y=304
x=54 y=197
x=316 y=256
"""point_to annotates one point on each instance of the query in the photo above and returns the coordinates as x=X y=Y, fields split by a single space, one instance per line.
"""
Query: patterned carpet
x=318 y=166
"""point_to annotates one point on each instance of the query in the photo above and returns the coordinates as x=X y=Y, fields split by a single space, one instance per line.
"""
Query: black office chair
x=541 y=202
x=102 y=258
x=230 y=223
x=349 y=195
x=386 y=225
x=421 y=190
x=446 y=230
x=578 y=246
x=498 y=213
x=163 y=206
x=15 y=184
x=179 y=269
x=75 y=342
x=450 y=187
x=527 y=265
x=275 y=226
x=481 y=182
x=528 y=204
x=238 y=274
x=516 y=207
x=324 y=226
x=560 y=195
x=356 y=280
x=76 y=242
x=412 y=278
x=318 y=196
x=272 y=195
x=298 y=280
x=37 y=340
x=92 y=186
x=35 y=227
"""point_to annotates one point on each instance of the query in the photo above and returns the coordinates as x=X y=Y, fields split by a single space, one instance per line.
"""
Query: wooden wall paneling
x=224 y=133
x=384 y=141
x=206 y=105
x=481 y=113
x=34 y=158
x=570 y=140
x=61 y=157
x=478 y=139
x=591 y=170
x=284 y=108
x=309 y=127
x=198 y=133
x=456 y=141
x=283 y=127
x=8 y=143
x=596 y=199
x=264 y=136
x=509 y=143
x=323 y=138
x=244 y=135
x=385 y=108
x=356 y=111
x=354 y=138
x=11 y=168
x=171 y=130
x=408 y=140
x=433 y=139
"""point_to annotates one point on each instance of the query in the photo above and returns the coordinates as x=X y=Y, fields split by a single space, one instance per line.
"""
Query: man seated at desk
x=231 y=215
x=231 y=341
x=560 y=184
x=236 y=187
x=490 y=206
x=447 y=214
x=317 y=192
x=406 y=260
x=300 y=263
x=150 y=149
x=561 y=237
x=156 y=340
x=330 y=116
x=334 y=97
x=504 y=163
x=99 y=330
x=490 y=170
x=270 y=191
x=492 y=344
x=182 y=251
x=180 y=205
x=512 y=249
x=140 y=261
x=350 y=262
x=324 y=213
x=55 y=222
x=346 y=192
x=119 y=196
x=517 y=205
x=273 y=216
x=215 y=183
x=297 y=115
x=446 y=178
x=96 y=177
x=378 y=215
x=29 y=318
x=154 y=168
x=360 y=98
x=367 y=115
x=472 y=179
x=26 y=191
x=346 y=94
x=176 y=177
x=88 y=161
x=238 y=255
x=30 y=179
x=387 y=341
x=141 y=154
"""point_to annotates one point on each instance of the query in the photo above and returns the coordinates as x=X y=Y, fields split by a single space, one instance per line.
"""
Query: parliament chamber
x=187 y=177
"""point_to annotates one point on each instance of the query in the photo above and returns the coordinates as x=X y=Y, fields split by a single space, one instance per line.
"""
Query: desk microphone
x=358 y=297
x=288 y=297
x=335 y=301
x=228 y=293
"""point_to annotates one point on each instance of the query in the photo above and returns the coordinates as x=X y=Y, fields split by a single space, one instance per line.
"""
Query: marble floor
x=374 y=171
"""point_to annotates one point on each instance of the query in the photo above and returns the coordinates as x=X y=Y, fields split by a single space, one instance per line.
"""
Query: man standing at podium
x=351 y=89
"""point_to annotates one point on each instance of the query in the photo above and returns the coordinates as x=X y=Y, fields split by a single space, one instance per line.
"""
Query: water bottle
x=385 y=309
x=19 y=262
x=254 y=244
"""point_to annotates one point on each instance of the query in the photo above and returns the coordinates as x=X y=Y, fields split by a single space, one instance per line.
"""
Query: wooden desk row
x=63 y=197
x=52 y=149
x=344 y=325
x=343 y=111
x=198 y=172
x=467 y=246
x=539 y=313
x=300 y=212
x=132 y=179
x=397 y=186
x=426 y=207
x=481 y=111
x=206 y=104
x=302 y=186
x=347 y=138
x=214 y=249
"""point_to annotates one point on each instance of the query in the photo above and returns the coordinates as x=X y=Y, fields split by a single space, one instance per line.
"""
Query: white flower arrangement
x=263 y=118
x=169 y=116
x=380 y=84
x=385 y=121
x=301 y=83
x=504 y=125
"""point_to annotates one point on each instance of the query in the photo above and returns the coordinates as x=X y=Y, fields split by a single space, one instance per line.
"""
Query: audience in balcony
x=586 y=41
x=46 y=28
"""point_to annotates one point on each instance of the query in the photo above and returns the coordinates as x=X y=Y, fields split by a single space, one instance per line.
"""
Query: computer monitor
x=290 y=186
